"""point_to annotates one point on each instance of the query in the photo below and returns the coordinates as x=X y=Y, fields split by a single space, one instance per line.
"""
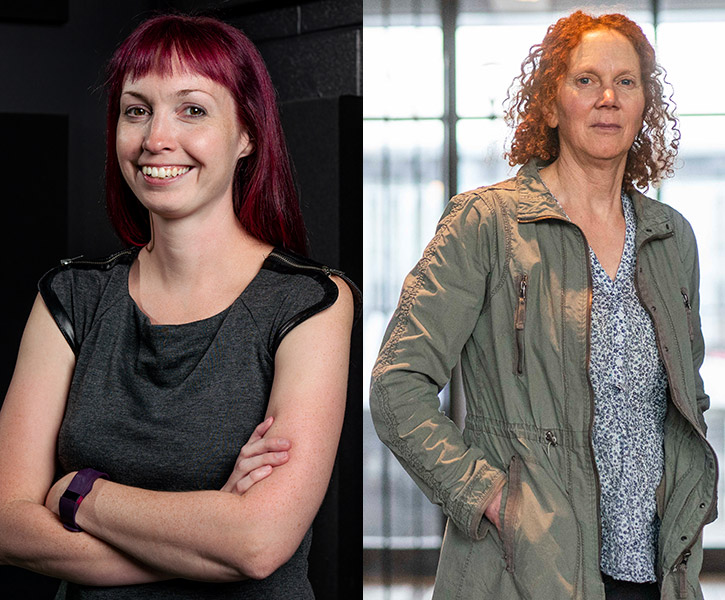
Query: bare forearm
x=195 y=535
x=32 y=537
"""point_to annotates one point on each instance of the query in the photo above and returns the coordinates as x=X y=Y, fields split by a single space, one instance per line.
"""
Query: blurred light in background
x=435 y=77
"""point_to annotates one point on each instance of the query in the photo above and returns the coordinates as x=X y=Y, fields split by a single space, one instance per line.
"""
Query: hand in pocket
x=493 y=511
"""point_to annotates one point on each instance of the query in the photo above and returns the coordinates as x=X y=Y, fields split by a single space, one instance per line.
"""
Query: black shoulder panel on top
x=284 y=261
x=56 y=308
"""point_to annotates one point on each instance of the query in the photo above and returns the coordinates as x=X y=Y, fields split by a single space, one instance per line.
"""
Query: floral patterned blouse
x=630 y=396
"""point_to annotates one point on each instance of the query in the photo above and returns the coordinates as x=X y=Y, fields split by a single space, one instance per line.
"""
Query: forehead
x=604 y=49
x=172 y=82
x=170 y=73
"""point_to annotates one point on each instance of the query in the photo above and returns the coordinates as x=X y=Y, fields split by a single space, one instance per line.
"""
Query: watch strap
x=77 y=489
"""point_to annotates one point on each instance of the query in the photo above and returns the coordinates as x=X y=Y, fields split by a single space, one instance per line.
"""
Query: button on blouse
x=630 y=396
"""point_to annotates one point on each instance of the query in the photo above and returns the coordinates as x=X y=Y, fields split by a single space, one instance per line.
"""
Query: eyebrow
x=592 y=69
x=178 y=94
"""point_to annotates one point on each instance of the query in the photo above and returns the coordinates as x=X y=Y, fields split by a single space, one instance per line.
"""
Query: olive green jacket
x=505 y=285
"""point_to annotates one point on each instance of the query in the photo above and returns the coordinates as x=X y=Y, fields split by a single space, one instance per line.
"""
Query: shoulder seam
x=304 y=263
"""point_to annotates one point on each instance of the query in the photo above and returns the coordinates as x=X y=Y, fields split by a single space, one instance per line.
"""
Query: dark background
x=52 y=118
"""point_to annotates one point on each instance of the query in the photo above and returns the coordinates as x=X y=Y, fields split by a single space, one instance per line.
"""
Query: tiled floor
x=713 y=587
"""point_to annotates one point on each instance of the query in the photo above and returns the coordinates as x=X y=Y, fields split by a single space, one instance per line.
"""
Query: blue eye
x=584 y=80
x=627 y=82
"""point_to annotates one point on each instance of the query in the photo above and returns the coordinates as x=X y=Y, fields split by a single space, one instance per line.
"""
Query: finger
x=261 y=429
x=247 y=482
x=260 y=446
x=245 y=466
x=253 y=467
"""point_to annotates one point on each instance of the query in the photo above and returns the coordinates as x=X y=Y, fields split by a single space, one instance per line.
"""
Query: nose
x=609 y=98
x=159 y=136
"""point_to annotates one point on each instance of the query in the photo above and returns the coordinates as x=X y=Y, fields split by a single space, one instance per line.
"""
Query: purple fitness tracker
x=71 y=499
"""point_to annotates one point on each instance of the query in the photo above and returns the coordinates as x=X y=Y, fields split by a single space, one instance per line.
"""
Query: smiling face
x=178 y=142
x=600 y=103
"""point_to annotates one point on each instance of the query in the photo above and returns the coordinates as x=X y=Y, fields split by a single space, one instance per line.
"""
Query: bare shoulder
x=344 y=306
x=321 y=334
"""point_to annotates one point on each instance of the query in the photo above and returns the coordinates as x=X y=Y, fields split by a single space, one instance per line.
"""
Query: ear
x=551 y=116
x=246 y=145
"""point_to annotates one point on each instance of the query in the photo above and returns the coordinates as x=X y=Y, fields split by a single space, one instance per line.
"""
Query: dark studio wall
x=52 y=114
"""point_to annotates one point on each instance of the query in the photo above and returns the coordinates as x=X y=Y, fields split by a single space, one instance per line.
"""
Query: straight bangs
x=190 y=49
x=265 y=198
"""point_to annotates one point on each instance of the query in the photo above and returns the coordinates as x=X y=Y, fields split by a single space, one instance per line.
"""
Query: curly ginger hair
x=652 y=155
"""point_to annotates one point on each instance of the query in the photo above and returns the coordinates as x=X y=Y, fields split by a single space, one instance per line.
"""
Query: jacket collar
x=536 y=202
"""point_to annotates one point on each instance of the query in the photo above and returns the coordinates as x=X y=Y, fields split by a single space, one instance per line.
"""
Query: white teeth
x=164 y=172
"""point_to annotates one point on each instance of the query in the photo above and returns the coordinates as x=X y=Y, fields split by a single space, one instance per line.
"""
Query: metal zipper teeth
x=684 y=555
x=589 y=380
x=80 y=261
x=520 y=322
x=324 y=268
x=591 y=388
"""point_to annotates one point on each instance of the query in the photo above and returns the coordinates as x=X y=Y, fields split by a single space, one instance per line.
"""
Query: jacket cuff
x=478 y=525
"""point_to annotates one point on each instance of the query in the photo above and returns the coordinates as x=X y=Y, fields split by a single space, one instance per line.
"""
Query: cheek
x=127 y=143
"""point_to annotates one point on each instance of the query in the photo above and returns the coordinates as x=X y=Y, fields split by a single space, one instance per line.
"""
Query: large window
x=436 y=74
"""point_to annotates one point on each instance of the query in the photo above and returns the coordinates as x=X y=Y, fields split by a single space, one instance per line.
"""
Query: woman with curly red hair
x=571 y=300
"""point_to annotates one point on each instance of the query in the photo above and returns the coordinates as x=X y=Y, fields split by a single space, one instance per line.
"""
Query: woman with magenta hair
x=572 y=302
x=173 y=419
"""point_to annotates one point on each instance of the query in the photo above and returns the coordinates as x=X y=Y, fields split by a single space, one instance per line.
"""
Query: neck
x=193 y=251
x=592 y=187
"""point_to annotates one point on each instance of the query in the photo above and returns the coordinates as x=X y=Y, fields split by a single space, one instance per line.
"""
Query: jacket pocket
x=519 y=323
x=688 y=311
x=510 y=512
x=540 y=536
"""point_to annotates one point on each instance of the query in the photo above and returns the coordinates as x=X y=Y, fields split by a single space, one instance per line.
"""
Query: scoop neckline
x=220 y=315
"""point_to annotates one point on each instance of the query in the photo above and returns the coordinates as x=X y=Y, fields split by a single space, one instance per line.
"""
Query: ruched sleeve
x=440 y=304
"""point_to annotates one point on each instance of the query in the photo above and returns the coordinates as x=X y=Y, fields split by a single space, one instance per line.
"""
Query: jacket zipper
x=511 y=511
x=519 y=322
x=590 y=284
x=79 y=260
x=680 y=564
x=688 y=309
x=597 y=482
x=681 y=569
x=324 y=268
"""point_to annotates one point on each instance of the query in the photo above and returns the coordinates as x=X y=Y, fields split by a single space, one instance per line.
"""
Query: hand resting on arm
x=133 y=535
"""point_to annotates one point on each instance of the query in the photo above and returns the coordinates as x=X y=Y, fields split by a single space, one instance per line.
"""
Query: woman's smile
x=179 y=135
x=163 y=174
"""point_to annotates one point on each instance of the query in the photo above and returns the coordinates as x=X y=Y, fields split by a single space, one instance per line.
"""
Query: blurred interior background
x=436 y=73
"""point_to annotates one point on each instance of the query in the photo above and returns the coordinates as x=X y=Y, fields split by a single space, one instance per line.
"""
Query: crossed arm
x=133 y=535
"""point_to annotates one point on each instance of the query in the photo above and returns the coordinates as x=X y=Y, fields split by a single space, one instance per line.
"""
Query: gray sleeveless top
x=168 y=407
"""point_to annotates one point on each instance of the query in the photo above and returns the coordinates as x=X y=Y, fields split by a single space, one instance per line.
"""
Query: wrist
x=77 y=495
x=85 y=516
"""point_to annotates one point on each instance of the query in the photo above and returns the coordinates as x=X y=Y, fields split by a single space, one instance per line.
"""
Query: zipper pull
x=686 y=299
x=688 y=309
x=681 y=570
x=551 y=439
x=521 y=309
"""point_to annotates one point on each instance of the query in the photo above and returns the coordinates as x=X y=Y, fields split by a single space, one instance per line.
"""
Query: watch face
x=74 y=497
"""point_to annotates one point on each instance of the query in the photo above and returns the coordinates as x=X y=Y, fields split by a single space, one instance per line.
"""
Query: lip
x=607 y=126
x=154 y=181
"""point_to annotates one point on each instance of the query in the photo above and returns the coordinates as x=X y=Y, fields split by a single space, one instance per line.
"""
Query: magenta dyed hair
x=265 y=199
